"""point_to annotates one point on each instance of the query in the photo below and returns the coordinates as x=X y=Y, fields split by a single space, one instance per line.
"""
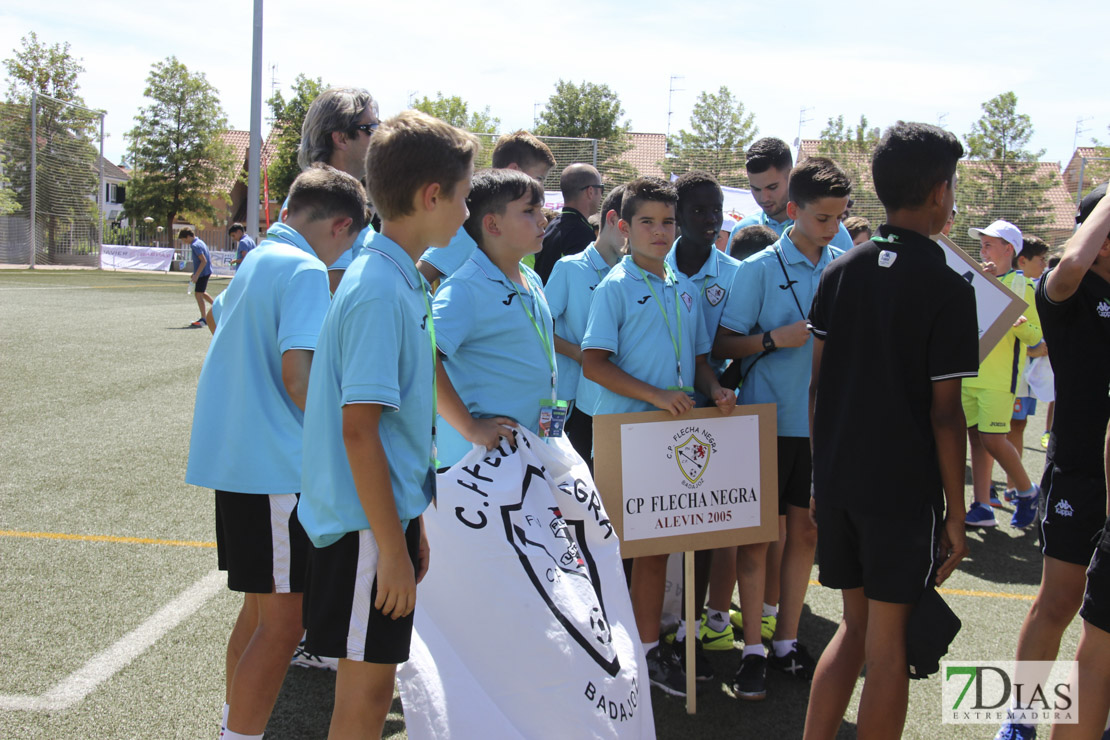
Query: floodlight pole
x=101 y=199
x=254 y=175
x=34 y=164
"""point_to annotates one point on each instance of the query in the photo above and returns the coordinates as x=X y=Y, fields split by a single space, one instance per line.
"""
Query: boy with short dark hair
x=243 y=241
x=768 y=164
x=570 y=291
x=202 y=269
x=491 y=303
x=642 y=315
x=252 y=387
x=765 y=327
x=751 y=239
x=894 y=333
x=369 y=468
x=519 y=150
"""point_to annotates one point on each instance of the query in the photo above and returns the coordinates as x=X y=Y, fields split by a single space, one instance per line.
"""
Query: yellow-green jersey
x=1003 y=366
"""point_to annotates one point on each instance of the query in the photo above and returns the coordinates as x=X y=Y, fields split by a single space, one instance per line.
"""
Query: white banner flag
x=523 y=625
x=120 y=257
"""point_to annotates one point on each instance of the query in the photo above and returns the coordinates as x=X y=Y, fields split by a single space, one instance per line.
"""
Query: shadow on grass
x=303 y=709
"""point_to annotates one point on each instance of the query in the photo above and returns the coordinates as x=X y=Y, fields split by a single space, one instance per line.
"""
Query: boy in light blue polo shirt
x=570 y=290
x=519 y=150
x=252 y=386
x=768 y=165
x=369 y=423
x=764 y=326
x=646 y=345
x=493 y=325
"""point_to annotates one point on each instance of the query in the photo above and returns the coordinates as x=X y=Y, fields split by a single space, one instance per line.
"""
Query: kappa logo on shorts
x=1063 y=508
x=1104 y=309
x=551 y=553
x=714 y=293
x=687 y=299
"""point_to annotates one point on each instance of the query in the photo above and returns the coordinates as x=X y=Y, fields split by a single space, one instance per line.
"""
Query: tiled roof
x=114 y=171
x=646 y=153
x=240 y=142
x=1071 y=171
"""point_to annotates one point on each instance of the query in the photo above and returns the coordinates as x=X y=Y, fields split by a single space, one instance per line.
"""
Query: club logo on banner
x=693 y=456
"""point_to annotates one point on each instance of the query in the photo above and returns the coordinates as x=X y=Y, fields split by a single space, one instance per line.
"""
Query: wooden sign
x=997 y=306
x=694 y=482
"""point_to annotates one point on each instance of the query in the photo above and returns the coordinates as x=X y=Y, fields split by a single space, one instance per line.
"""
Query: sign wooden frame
x=989 y=336
x=609 y=468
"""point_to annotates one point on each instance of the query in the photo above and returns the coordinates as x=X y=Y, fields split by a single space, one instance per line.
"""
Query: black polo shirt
x=568 y=233
x=1077 y=332
x=894 y=318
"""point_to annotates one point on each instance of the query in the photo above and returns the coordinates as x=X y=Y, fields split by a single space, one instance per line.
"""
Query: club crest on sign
x=692 y=457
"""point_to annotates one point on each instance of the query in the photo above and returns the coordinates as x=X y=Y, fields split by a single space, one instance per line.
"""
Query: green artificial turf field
x=114 y=622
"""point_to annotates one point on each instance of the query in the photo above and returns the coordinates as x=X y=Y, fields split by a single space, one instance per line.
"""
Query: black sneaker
x=751 y=679
x=665 y=672
x=703 y=669
x=797 y=662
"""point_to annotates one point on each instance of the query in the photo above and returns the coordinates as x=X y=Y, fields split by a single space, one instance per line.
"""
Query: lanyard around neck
x=675 y=343
x=545 y=338
x=435 y=385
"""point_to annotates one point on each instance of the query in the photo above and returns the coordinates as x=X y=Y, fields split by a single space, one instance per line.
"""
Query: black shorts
x=795 y=472
x=201 y=284
x=1096 y=600
x=580 y=431
x=339 y=612
x=892 y=558
x=260 y=542
x=1074 y=509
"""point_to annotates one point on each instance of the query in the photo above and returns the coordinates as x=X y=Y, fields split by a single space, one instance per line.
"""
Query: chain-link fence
x=51 y=182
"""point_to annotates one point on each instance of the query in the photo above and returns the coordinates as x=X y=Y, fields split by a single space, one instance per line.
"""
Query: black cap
x=1089 y=202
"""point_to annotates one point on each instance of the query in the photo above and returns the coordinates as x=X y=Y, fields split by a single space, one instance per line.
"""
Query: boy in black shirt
x=895 y=332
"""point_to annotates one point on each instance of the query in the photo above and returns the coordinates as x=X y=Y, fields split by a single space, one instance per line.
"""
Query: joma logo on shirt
x=644 y=300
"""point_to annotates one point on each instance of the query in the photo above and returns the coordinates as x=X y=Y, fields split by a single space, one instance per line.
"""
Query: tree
x=177 y=147
x=455 y=111
x=722 y=130
x=851 y=148
x=586 y=111
x=289 y=117
x=8 y=202
x=1096 y=170
x=66 y=178
x=1001 y=180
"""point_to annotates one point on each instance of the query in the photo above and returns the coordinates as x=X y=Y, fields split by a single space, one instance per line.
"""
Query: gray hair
x=335 y=109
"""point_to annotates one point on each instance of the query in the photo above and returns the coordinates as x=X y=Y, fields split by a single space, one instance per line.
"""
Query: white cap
x=1003 y=230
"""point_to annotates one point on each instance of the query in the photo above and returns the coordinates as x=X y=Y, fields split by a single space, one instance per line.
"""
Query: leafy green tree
x=67 y=180
x=585 y=110
x=177 y=147
x=455 y=111
x=288 y=118
x=8 y=202
x=722 y=130
x=1096 y=171
x=851 y=148
x=1001 y=180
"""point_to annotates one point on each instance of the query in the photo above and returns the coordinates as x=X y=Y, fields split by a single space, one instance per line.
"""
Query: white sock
x=716 y=619
x=229 y=735
x=649 y=646
x=223 y=722
x=1026 y=494
x=770 y=610
x=681 y=634
x=782 y=647
x=753 y=650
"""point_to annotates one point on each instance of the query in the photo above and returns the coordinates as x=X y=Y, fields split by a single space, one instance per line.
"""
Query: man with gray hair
x=337 y=130
x=571 y=232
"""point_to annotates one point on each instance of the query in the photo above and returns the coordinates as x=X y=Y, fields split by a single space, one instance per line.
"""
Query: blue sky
x=934 y=62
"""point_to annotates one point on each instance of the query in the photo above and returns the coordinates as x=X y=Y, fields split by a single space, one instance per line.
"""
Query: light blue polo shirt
x=713 y=281
x=570 y=289
x=842 y=240
x=449 y=259
x=245 y=245
x=375 y=347
x=626 y=320
x=276 y=302
x=759 y=302
x=200 y=249
x=492 y=352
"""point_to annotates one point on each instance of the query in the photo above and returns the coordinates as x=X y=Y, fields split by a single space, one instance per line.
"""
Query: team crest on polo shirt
x=687 y=299
x=886 y=258
x=714 y=293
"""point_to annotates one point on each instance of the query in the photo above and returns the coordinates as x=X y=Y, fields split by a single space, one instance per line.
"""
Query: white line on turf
x=110 y=661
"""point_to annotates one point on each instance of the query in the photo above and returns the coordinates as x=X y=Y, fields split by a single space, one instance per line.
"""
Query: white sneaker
x=308 y=660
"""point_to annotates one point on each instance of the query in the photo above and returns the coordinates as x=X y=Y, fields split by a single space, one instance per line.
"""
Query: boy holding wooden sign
x=642 y=311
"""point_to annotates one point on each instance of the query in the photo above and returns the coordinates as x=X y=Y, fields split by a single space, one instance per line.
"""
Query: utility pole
x=802 y=120
x=670 y=108
x=254 y=173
